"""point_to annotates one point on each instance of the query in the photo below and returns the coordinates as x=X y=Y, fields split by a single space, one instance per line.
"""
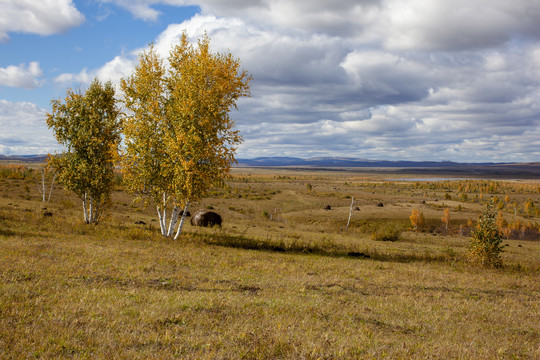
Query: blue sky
x=377 y=79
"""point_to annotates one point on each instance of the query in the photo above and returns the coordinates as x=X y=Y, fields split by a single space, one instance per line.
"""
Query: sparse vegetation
x=290 y=283
x=486 y=242
x=386 y=232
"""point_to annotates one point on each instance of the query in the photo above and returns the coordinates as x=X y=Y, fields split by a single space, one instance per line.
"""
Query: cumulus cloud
x=83 y=77
x=43 y=17
x=140 y=9
x=459 y=24
x=24 y=130
x=417 y=79
x=119 y=67
x=22 y=76
x=116 y=69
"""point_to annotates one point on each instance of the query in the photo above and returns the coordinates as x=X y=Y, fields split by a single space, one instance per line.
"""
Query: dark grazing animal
x=182 y=213
x=206 y=218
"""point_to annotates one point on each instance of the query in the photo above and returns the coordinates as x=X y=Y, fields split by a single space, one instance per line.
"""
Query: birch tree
x=181 y=112
x=42 y=187
x=446 y=218
x=417 y=219
x=87 y=125
x=146 y=163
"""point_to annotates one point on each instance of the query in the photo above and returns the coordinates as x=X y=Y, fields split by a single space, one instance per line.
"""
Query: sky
x=437 y=80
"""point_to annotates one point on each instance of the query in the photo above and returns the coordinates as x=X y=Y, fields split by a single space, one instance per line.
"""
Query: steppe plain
x=283 y=278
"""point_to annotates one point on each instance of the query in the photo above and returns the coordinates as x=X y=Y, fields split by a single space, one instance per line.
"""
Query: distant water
x=432 y=179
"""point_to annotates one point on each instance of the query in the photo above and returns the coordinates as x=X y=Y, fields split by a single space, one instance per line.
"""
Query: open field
x=282 y=279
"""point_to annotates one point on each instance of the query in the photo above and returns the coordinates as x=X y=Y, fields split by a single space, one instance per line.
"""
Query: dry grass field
x=283 y=278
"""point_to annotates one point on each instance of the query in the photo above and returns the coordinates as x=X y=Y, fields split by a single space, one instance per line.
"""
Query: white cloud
x=336 y=18
x=458 y=24
x=119 y=67
x=428 y=24
x=13 y=114
x=417 y=79
x=43 y=17
x=140 y=9
x=311 y=87
x=22 y=76
x=83 y=77
x=24 y=130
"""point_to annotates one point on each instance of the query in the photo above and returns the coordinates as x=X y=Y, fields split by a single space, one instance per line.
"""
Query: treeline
x=514 y=228
x=15 y=171
x=170 y=132
x=478 y=186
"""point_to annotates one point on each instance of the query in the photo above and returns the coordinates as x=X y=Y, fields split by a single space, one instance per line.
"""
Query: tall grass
x=300 y=287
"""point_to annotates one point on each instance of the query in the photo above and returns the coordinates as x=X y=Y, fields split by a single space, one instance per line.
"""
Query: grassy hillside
x=283 y=277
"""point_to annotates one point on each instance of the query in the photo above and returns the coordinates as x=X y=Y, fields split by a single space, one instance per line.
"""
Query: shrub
x=386 y=232
x=446 y=218
x=486 y=241
x=417 y=219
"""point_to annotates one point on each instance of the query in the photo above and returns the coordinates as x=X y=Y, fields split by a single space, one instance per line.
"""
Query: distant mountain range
x=347 y=162
x=531 y=169
x=26 y=158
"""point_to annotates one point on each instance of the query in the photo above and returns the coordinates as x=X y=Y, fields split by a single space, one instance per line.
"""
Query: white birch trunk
x=182 y=220
x=164 y=232
x=350 y=213
x=161 y=221
x=43 y=189
x=173 y=221
x=84 y=209
x=52 y=186
x=91 y=211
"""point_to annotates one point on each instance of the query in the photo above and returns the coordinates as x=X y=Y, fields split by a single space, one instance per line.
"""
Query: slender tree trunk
x=91 y=211
x=52 y=186
x=43 y=190
x=161 y=221
x=162 y=214
x=96 y=210
x=173 y=221
x=350 y=213
x=85 y=209
x=43 y=187
x=164 y=218
x=182 y=221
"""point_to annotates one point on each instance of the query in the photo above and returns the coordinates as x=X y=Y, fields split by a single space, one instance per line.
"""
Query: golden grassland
x=282 y=279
